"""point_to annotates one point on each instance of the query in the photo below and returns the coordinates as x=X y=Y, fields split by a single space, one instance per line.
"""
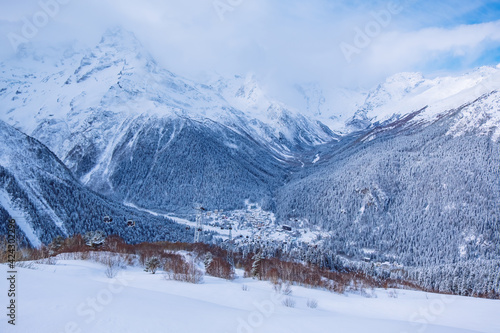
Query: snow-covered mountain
x=72 y=96
x=333 y=107
x=405 y=93
x=139 y=134
x=347 y=110
x=119 y=77
x=46 y=200
x=246 y=94
x=94 y=108
x=24 y=163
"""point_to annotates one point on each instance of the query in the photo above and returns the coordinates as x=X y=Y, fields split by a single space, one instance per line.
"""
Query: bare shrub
x=287 y=290
x=310 y=275
x=116 y=244
x=113 y=259
x=288 y=302
x=84 y=255
x=4 y=255
x=312 y=303
x=220 y=268
x=195 y=275
x=273 y=275
x=66 y=256
x=361 y=287
x=130 y=260
x=111 y=271
x=113 y=264
x=20 y=254
x=56 y=244
x=277 y=287
x=338 y=288
x=74 y=244
x=176 y=268
x=173 y=263
x=274 y=269
x=47 y=261
x=34 y=254
x=26 y=264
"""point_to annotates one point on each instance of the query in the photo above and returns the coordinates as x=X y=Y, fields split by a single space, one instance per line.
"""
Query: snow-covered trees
x=195 y=165
x=94 y=239
x=56 y=244
x=256 y=266
x=152 y=265
x=423 y=199
x=208 y=260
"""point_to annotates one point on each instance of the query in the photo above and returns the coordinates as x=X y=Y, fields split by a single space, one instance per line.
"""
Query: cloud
x=397 y=51
x=282 y=42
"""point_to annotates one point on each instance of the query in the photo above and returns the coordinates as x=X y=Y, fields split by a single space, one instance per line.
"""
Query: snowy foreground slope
x=76 y=296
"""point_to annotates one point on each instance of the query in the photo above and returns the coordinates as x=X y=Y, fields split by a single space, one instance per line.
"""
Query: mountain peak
x=406 y=79
x=120 y=39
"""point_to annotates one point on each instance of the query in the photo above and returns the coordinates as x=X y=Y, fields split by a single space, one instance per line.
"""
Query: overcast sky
x=337 y=43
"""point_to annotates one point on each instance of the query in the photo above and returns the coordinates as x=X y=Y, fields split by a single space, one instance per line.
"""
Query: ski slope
x=76 y=296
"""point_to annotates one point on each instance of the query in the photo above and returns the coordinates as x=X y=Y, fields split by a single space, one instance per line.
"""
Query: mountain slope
x=170 y=164
x=46 y=200
x=407 y=192
x=98 y=101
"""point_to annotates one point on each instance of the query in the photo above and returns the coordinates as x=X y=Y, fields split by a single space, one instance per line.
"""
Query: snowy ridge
x=346 y=110
x=405 y=93
x=481 y=117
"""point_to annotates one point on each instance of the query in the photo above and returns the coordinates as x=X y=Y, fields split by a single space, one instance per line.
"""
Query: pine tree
x=256 y=265
x=208 y=259
x=56 y=244
x=94 y=238
x=152 y=265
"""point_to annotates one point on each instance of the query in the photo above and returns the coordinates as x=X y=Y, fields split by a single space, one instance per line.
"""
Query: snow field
x=75 y=296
